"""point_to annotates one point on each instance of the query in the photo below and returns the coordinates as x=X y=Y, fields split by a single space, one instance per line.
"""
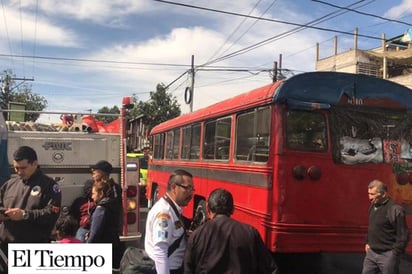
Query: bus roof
x=322 y=89
x=256 y=97
x=311 y=90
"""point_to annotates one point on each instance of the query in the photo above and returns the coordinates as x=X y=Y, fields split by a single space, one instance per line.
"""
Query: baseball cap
x=103 y=165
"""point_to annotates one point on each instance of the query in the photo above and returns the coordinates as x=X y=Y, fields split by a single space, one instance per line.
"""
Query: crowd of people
x=30 y=211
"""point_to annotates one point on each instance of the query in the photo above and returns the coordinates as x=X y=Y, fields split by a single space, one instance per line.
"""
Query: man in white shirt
x=165 y=240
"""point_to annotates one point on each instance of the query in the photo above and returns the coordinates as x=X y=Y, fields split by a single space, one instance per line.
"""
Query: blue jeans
x=81 y=233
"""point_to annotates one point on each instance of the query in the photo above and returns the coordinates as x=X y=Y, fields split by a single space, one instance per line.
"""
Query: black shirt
x=387 y=229
x=40 y=197
x=223 y=245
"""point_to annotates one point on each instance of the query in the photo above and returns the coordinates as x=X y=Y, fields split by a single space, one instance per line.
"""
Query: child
x=66 y=227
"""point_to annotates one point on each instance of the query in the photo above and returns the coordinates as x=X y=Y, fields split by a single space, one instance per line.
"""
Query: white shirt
x=163 y=227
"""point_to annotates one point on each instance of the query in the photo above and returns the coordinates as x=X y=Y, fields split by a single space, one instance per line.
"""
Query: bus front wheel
x=200 y=216
x=155 y=196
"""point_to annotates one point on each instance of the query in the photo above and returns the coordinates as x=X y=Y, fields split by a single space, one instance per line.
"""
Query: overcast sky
x=86 y=54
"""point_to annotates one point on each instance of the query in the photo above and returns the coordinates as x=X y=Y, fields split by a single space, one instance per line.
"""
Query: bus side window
x=195 y=142
x=186 y=135
x=190 y=142
x=242 y=149
x=253 y=135
x=258 y=153
x=217 y=139
x=223 y=153
x=306 y=130
x=159 y=146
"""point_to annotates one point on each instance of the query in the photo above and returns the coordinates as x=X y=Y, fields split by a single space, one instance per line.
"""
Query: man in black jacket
x=30 y=203
x=388 y=233
x=224 y=245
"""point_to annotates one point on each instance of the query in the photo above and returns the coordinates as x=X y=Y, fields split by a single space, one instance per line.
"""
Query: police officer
x=30 y=203
x=165 y=240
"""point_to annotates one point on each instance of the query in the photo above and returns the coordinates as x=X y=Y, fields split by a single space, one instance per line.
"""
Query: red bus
x=297 y=155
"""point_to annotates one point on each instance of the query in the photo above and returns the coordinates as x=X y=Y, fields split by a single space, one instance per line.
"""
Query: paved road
x=310 y=263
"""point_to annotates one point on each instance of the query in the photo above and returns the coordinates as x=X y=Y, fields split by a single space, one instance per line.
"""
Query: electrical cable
x=364 y=13
x=234 y=31
x=267 y=19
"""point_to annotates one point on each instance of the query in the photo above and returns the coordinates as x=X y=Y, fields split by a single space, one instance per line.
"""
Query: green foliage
x=161 y=107
x=108 y=119
x=21 y=93
x=33 y=101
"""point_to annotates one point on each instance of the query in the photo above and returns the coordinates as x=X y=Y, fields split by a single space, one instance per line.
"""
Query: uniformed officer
x=30 y=203
x=165 y=240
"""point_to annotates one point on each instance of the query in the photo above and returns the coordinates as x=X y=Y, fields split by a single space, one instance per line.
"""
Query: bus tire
x=151 y=201
x=200 y=216
x=155 y=195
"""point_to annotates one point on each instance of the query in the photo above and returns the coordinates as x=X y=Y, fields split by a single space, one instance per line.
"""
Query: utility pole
x=5 y=88
x=192 y=89
x=275 y=72
x=189 y=91
x=280 y=67
x=5 y=92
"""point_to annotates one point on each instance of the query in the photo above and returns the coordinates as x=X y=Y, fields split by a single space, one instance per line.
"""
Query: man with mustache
x=165 y=240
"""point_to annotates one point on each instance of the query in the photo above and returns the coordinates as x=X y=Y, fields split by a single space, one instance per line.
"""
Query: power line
x=254 y=23
x=322 y=19
x=91 y=60
x=281 y=35
x=236 y=29
x=364 y=13
x=266 y=41
x=268 y=19
x=181 y=75
x=228 y=68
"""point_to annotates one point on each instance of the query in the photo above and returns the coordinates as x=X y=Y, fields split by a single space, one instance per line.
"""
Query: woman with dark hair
x=105 y=220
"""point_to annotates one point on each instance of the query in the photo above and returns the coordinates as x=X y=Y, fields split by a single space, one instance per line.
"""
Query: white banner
x=60 y=258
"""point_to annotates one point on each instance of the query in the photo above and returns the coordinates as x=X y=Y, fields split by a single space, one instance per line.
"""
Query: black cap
x=103 y=165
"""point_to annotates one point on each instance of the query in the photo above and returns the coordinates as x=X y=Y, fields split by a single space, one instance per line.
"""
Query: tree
x=161 y=107
x=21 y=93
x=108 y=119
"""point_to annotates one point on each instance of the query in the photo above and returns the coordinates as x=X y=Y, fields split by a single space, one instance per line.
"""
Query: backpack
x=136 y=261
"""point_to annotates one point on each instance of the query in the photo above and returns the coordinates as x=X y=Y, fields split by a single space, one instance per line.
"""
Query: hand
x=3 y=215
x=15 y=214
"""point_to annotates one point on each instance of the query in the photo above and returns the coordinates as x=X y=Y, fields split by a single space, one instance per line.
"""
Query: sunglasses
x=189 y=188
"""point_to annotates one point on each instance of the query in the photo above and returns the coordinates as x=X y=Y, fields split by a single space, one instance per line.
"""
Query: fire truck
x=66 y=151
